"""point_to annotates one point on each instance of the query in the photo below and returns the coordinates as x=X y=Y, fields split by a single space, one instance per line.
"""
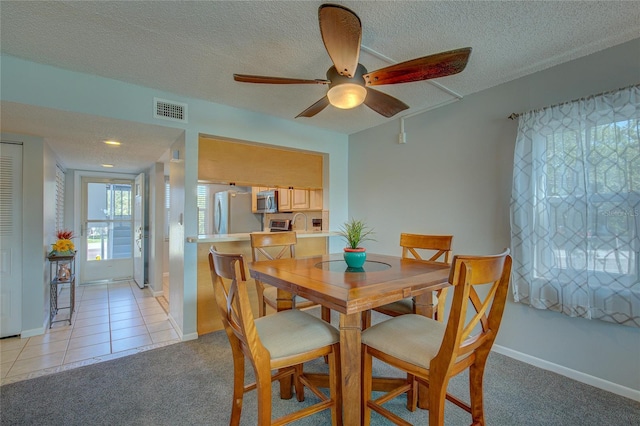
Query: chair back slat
x=469 y=272
x=269 y=256
x=481 y=309
x=440 y=244
x=273 y=245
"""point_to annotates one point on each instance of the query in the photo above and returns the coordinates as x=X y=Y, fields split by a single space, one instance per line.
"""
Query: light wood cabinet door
x=291 y=200
x=299 y=199
x=315 y=199
x=284 y=200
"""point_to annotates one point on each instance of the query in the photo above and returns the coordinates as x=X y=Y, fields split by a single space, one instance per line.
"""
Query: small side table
x=62 y=270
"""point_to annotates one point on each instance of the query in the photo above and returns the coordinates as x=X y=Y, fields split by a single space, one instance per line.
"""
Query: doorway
x=106 y=246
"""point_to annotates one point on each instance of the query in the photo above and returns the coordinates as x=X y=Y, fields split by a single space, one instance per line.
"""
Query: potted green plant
x=355 y=232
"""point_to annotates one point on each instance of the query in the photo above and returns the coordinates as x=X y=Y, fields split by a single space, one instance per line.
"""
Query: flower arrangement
x=64 y=245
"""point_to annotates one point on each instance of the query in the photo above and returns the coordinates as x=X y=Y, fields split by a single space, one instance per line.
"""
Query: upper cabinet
x=290 y=200
x=249 y=165
x=315 y=199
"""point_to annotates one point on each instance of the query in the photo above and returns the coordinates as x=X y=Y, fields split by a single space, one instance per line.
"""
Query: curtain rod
x=514 y=115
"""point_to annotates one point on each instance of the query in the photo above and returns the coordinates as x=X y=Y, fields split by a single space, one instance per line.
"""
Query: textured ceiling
x=193 y=48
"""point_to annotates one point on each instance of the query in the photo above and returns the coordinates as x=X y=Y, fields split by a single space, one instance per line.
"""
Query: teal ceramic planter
x=355 y=258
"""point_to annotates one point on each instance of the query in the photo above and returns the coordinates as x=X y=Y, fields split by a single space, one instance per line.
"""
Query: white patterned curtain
x=575 y=208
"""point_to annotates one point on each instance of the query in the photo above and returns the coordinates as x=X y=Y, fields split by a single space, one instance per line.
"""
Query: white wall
x=156 y=227
x=48 y=215
x=454 y=176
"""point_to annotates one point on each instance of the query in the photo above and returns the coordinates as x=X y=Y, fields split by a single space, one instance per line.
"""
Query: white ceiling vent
x=169 y=110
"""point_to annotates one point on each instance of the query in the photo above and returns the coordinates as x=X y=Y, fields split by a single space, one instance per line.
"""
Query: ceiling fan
x=349 y=81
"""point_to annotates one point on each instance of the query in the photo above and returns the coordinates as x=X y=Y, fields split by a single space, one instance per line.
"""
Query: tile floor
x=110 y=321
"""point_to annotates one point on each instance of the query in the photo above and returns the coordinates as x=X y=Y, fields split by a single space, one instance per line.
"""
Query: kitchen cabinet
x=284 y=200
x=299 y=199
x=315 y=199
x=290 y=200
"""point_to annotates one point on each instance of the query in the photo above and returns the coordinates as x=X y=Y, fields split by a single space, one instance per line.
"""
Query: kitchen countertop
x=221 y=238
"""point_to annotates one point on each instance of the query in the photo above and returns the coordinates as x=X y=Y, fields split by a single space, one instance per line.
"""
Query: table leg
x=423 y=304
x=284 y=300
x=350 y=358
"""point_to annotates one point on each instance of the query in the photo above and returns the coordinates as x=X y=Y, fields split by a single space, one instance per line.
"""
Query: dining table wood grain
x=327 y=281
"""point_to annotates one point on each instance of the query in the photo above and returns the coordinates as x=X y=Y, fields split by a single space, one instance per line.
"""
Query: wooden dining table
x=328 y=281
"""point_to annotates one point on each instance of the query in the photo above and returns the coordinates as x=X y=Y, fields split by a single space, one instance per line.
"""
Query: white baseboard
x=190 y=336
x=155 y=293
x=33 y=332
x=570 y=373
x=183 y=337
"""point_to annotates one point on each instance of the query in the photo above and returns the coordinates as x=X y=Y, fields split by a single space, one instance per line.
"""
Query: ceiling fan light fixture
x=347 y=95
x=341 y=31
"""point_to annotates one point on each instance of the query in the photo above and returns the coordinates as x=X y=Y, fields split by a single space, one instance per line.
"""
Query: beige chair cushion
x=271 y=293
x=412 y=338
x=404 y=306
x=291 y=332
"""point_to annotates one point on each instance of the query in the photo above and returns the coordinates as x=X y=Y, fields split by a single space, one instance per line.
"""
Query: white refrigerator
x=232 y=213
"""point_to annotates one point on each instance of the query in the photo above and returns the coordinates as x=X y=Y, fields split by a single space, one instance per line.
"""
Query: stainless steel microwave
x=267 y=201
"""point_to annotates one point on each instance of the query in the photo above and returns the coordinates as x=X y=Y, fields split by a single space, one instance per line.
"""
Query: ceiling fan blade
x=341 y=31
x=433 y=66
x=384 y=104
x=275 y=80
x=315 y=108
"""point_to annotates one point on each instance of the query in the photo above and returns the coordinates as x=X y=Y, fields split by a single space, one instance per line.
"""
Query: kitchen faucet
x=295 y=216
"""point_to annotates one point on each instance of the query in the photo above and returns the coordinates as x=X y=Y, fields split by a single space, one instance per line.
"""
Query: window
x=203 y=210
x=109 y=220
x=575 y=208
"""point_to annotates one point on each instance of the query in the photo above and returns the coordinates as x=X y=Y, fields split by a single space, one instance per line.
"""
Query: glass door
x=106 y=250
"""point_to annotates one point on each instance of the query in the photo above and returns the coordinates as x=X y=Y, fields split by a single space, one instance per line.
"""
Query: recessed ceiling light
x=107 y=165
x=114 y=143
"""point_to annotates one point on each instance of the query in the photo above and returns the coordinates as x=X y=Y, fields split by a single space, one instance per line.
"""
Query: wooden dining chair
x=431 y=352
x=282 y=341
x=276 y=245
x=432 y=248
